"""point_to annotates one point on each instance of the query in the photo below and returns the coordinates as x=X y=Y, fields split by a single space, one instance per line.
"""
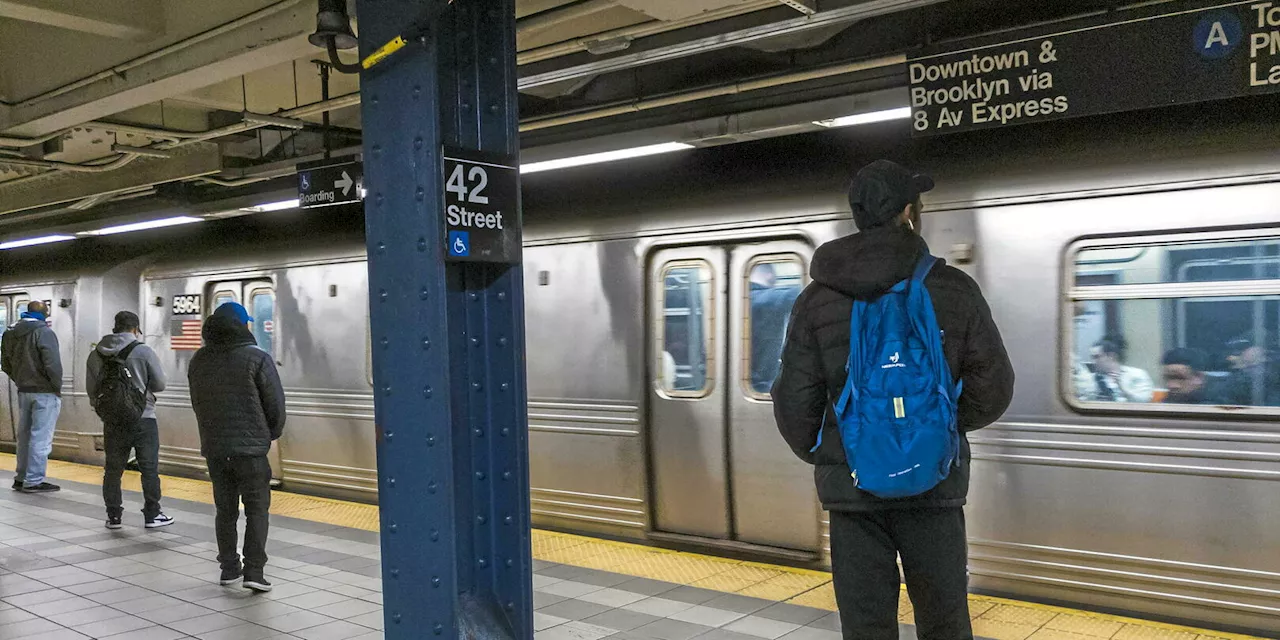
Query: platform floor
x=63 y=575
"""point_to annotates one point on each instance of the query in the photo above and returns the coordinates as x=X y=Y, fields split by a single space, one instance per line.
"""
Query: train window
x=1179 y=320
x=222 y=297
x=685 y=343
x=773 y=283
x=20 y=307
x=262 y=306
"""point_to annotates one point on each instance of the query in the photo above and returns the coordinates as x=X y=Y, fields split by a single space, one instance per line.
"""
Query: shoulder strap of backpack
x=124 y=353
x=925 y=322
x=852 y=372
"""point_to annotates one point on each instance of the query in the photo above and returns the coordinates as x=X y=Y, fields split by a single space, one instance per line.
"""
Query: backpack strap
x=923 y=267
x=124 y=353
x=849 y=395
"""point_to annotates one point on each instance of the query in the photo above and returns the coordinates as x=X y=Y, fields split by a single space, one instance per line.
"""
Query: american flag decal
x=185 y=335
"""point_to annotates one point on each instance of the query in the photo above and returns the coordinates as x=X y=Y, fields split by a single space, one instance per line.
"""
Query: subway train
x=649 y=361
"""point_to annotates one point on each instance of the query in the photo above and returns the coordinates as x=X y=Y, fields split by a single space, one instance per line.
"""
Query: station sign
x=481 y=206
x=1159 y=55
x=328 y=182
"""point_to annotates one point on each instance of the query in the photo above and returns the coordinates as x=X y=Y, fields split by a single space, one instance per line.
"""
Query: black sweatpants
x=238 y=479
x=864 y=551
x=117 y=441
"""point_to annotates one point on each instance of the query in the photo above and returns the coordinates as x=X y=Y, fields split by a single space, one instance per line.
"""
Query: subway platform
x=64 y=576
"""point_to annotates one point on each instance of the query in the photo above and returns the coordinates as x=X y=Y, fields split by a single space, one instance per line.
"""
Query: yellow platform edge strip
x=998 y=618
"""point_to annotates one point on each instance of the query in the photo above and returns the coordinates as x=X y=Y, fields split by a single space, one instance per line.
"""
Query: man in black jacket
x=239 y=405
x=868 y=533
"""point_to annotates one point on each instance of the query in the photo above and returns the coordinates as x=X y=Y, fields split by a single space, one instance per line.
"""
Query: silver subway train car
x=649 y=363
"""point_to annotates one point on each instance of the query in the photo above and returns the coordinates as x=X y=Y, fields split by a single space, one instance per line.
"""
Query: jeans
x=931 y=542
x=237 y=479
x=37 y=417
x=144 y=438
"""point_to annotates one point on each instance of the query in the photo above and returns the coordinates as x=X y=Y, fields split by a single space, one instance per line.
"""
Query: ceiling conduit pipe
x=712 y=92
x=556 y=17
x=642 y=30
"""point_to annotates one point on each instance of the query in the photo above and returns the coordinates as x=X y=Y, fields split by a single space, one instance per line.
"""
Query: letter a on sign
x=1217 y=35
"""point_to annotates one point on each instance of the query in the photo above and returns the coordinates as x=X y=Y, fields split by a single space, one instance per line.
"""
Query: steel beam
x=123 y=19
x=448 y=338
x=631 y=60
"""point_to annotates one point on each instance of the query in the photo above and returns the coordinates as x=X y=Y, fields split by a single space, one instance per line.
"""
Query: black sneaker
x=43 y=487
x=17 y=484
x=229 y=577
x=161 y=520
x=113 y=522
x=257 y=583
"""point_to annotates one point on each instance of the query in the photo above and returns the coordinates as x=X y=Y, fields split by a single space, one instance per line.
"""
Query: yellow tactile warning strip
x=992 y=617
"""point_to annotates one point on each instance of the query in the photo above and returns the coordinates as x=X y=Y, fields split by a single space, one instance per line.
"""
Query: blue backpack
x=897 y=413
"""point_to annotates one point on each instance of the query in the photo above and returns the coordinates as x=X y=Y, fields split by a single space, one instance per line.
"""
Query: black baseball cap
x=882 y=189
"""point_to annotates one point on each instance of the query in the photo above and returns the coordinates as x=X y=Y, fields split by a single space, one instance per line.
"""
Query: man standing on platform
x=868 y=532
x=240 y=410
x=123 y=376
x=29 y=356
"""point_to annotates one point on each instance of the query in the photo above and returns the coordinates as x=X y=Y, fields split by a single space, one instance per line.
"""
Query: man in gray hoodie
x=143 y=369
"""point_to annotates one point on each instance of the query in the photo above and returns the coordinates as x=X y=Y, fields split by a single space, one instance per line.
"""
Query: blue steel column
x=448 y=338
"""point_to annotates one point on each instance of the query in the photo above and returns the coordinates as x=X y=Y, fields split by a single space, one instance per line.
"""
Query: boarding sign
x=1159 y=55
x=328 y=182
x=481 y=206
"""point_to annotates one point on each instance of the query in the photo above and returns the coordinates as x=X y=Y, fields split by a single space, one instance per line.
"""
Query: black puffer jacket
x=863 y=266
x=235 y=391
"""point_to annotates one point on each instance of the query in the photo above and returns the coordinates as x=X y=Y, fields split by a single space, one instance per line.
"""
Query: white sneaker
x=161 y=520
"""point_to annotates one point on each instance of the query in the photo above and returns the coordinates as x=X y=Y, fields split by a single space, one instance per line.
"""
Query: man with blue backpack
x=891 y=357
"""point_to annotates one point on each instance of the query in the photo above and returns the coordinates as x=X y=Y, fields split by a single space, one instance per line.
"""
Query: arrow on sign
x=344 y=184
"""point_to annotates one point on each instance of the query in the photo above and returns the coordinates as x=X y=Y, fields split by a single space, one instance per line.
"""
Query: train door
x=259 y=299
x=719 y=468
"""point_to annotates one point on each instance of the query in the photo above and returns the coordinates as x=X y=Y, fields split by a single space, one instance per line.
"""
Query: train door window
x=262 y=306
x=221 y=297
x=20 y=307
x=773 y=283
x=685 y=343
x=1190 y=320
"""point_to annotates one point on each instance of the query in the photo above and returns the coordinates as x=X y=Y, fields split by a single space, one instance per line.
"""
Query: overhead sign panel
x=482 y=207
x=330 y=182
x=1166 y=54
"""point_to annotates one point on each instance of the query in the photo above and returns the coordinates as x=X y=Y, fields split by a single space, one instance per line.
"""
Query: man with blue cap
x=239 y=406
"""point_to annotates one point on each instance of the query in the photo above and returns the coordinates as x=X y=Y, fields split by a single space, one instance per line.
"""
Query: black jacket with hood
x=235 y=392
x=29 y=356
x=864 y=266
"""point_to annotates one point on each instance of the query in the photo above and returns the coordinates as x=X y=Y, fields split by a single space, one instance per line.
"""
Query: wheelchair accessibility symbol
x=459 y=244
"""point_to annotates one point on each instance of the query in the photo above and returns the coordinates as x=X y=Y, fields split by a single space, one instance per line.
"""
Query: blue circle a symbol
x=1217 y=35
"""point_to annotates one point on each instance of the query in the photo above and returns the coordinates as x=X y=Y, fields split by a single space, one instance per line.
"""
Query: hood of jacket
x=25 y=327
x=223 y=332
x=113 y=343
x=868 y=263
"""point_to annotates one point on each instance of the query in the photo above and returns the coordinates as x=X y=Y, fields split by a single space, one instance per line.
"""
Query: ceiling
x=114 y=107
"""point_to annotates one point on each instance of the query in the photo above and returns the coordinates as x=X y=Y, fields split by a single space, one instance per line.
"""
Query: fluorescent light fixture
x=27 y=242
x=143 y=226
x=274 y=206
x=901 y=113
x=606 y=156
